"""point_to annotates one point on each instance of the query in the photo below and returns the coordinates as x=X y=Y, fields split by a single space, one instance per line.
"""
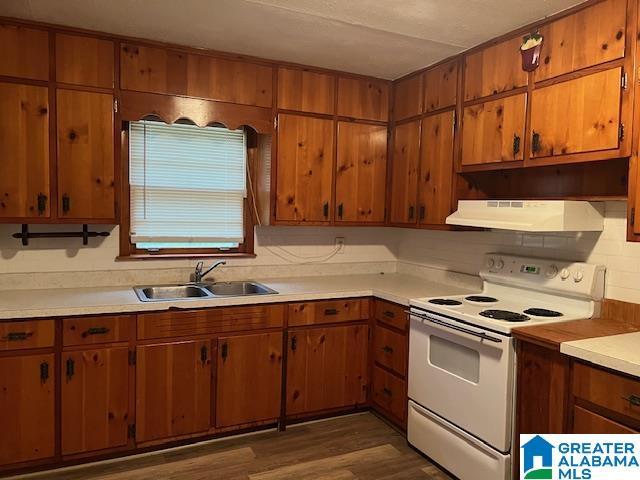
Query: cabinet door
x=327 y=368
x=84 y=60
x=440 y=86
x=25 y=52
x=24 y=150
x=95 y=399
x=494 y=131
x=580 y=115
x=304 y=169
x=591 y=36
x=27 y=415
x=407 y=98
x=86 y=182
x=361 y=172
x=306 y=91
x=363 y=98
x=494 y=69
x=404 y=172
x=173 y=389
x=436 y=169
x=249 y=379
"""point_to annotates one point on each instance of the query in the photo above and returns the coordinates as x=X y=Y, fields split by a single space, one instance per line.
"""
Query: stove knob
x=552 y=271
x=499 y=264
x=564 y=274
x=578 y=276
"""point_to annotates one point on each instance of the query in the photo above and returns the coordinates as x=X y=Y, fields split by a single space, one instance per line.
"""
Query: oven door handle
x=481 y=335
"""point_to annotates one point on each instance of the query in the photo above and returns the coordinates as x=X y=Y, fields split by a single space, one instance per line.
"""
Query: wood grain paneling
x=363 y=98
x=327 y=368
x=86 y=168
x=25 y=52
x=27 y=386
x=408 y=97
x=155 y=70
x=494 y=131
x=24 y=149
x=95 y=399
x=436 y=169
x=390 y=394
x=84 y=60
x=361 y=172
x=249 y=378
x=580 y=115
x=26 y=334
x=328 y=311
x=391 y=314
x=441 y=86
x=305 y=169
x=306 y=91
x=494 y=69
x=404 y=173
x=96 y=330
x=173 y=389
x=586 y=422
x=390 y=349
x=588 y=37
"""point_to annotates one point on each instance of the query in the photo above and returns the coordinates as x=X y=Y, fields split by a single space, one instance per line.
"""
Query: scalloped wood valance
x=136 y=106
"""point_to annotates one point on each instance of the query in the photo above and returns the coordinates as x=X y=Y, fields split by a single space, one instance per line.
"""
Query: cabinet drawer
x=586 y=422
x=390 y=349
x=28 y=334
x=95 y=330
x=609 y=390
x=391 y=314
x=389 y=393
x=332 y=311
x=206 y=322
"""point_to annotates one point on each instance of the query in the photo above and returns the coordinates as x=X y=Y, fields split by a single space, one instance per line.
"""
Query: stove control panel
x=575 y=278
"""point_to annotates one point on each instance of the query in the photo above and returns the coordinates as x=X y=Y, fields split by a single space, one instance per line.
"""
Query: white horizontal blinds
x=188 y=185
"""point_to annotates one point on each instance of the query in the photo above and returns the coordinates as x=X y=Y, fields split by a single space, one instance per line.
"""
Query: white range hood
x=529 y=215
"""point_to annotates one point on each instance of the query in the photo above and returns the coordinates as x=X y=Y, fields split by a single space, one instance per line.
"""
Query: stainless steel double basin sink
x=159 y=293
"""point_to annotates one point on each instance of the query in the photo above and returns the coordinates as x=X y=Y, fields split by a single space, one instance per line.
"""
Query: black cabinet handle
x=66 y=203
x=411 y=212
x=516 y=144
x=330 y=311
x=633 y=400
x=389 y=314
x=423 y=212
x=340 y=209
x=95 y=331
x=225 y=351
x=44 y=372
x=17 y=336
x=386 y=391
x=204 y=354
x=42 y=203
x=535 y=142
x=325 y=210
x=294 y=343
x=387 y=349
x=71 y=368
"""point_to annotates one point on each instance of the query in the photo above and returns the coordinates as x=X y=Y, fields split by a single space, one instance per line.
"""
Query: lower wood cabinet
x=327 y=368
x=27 y=414
x=248 y=379
x=95 y=399
x=173 y=389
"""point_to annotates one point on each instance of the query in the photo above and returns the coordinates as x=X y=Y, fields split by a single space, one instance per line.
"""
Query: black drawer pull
x=71 y=368
x=44 y=372
x=411 y=212
x=387 y=392
x=204 y=354
x=340 y=210
x=325 y=210
x=516 y=144
x=423 y=212
x=536 y=145
x=633 y=400
x=387 y=349
x=17 y=336
x=294 y=343
x=66 y=203
x=330 y=311
x=42 y=203
x=389 y=314
x=95 y=331
x=225 y=351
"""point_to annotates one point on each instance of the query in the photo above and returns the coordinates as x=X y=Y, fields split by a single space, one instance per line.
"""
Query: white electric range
x=462 y=357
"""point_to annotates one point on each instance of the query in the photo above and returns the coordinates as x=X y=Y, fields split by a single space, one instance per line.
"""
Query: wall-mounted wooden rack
x=85 y=234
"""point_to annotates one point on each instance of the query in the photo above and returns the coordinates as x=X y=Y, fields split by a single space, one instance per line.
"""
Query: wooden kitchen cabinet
x=86 y=168
x=408 y=97
x=493 y=131
x=24 y=150
x=436 y=169
x=304 y=169
x=173 y=389
x=494 y=69
x=25 y=52
x=363 y=98
x=577 y=116
x=27 y=414
x=95 y=399
x=404 y=173
x=441 y=86
x=248 y=379
x=82 y=60
x=327 y=368
x=361 y=173
x=306 y=91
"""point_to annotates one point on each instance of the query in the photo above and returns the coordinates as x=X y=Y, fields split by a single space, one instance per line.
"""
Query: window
x=187 y=188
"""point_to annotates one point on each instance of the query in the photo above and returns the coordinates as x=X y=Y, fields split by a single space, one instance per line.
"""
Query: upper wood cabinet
x=361 y=172
x=157 y=70
x=363 y=98
x=581 y=115
x=25 y=52
x=249 y=379
x=304 y=169
x=591 y=36
x=86 y=170
x=494 y=131
x=84 y=61
x=24 y=150
x=408 y=97
x=441 y=86
x=306 y=91
x=27 y=413
x=436 y=169
x=404 y=172
x=494 y=69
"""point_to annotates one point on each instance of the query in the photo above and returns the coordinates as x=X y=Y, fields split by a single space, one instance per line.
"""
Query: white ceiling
x=383 y=38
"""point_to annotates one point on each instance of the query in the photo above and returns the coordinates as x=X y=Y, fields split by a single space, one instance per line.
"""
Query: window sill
x=181 y=256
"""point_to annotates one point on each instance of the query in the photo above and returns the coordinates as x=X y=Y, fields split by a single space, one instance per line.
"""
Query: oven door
x=463 y=374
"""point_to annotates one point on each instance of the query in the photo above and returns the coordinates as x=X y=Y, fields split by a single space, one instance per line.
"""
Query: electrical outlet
x=340 y=244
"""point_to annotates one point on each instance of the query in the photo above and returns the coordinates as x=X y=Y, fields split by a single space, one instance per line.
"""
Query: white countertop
x=398 y=288
x=617 y=352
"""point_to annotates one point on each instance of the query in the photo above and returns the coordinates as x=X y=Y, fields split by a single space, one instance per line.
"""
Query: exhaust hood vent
x=529 y=215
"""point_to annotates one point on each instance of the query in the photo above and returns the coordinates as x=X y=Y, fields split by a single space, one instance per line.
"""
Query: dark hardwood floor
x=351 y=447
